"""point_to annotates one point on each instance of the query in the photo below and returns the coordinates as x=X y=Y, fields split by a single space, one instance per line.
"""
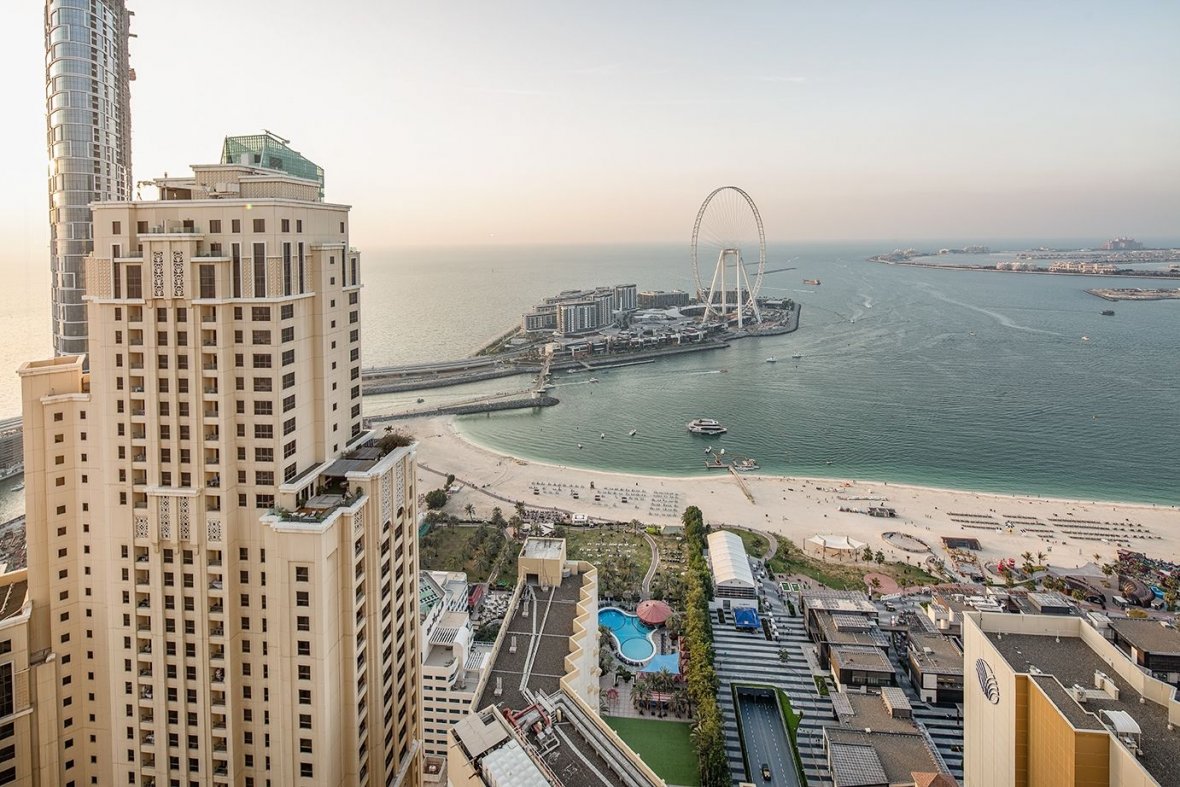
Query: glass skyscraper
x=88 y=132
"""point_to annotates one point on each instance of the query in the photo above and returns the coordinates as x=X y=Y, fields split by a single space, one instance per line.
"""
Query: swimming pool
x=633 y=642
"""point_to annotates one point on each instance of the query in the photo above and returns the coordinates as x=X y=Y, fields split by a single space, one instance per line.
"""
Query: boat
x=796 y=356
x=633 y=432
x=1085 y=338
x=772 y=359
x=592 y=380
x=813 y=282
x=1108 y=312
x=706 y=426
x=708 y=449
x=745 y=465
x=602 y=435
x=19 y=487
x=579 y=445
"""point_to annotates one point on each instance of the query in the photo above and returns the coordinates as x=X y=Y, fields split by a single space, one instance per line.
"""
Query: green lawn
x=664 y=745
x=755 y=543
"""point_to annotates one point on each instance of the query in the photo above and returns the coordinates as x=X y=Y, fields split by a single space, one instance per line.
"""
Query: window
x=286 y=268
x=305 y=694
x=289 y=403
x=236 y=254
x=116 y=228
x=288 y=379
x=263 y=408
x=264 y=455
x=263 y=431
x=235 y=225
x=288 y=357
x=261 y=337
x=302 y=598
x=260 y=225
x=214 y=226
x=306 y=770
x=264 y=501
x=286 y=312
x=260 y=313
x=259 y=257
x=262 y=360
x=288 y=428
x=262 y=383
x=134 y=276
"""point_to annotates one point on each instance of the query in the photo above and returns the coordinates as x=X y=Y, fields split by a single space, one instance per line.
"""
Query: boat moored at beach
x=706 y=426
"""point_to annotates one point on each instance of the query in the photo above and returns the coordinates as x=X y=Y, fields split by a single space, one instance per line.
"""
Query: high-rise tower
x=88 y=132
x=222 y=561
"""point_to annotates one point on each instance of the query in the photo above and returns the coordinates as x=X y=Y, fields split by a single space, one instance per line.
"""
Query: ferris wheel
x=728 y=235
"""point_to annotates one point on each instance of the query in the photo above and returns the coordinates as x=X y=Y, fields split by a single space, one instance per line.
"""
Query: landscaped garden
x=846 y=576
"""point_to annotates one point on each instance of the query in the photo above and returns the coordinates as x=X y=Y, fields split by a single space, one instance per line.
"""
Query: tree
x=469 y=509
x=450 y=479
x=880 y=558
x=1027 y=557
x=784 y=655
x=497 y=517
x=1041 y=558
x=436 y=498
x=867 y=555
x=520 y=509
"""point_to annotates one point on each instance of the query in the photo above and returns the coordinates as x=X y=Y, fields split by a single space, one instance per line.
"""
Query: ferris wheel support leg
x=738 y=275
x=712 y=289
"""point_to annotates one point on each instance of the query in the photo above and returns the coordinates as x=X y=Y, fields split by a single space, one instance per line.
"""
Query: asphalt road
x=765 y=738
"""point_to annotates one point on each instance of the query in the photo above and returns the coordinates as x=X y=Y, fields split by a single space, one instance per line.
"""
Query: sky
x=487 y=123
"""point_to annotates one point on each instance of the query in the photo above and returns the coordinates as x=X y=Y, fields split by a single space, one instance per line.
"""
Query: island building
x=88 y=132
x=1122 y=244
x=452 y=663
x=576 y=312
x=537 y=722
x=222 y=562
x=875 y=742
x=662 y=299
x=1068 y=266
x=1049 y=701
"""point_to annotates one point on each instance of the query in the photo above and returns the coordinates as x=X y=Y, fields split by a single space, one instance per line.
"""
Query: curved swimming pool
x=633 y=642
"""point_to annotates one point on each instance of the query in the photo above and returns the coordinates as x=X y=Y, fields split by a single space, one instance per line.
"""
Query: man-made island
x=599 y=328
x=1114 y=258
x=1135 y=294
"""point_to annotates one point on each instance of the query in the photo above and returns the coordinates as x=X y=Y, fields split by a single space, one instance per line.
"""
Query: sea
x=997 y=382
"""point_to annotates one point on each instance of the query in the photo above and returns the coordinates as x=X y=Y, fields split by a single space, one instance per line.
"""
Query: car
x=765 y=772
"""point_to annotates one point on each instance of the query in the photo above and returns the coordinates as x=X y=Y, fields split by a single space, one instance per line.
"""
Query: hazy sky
x=475 y=122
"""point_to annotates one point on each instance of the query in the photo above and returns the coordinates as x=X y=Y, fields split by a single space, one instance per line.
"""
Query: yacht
x=772 y=359
x=706 y=426
x=796 y=356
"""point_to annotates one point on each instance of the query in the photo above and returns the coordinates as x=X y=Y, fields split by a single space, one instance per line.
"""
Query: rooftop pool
x=633 y=642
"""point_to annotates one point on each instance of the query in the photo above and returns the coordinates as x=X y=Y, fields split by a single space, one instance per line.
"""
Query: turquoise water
x=942 y=378
x=632 y=637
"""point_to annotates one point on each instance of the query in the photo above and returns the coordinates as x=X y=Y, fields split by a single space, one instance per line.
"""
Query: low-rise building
x=1152 y=644
x=861 y=665
x=662 y=299
x=875 y=742
x=732 y=577
x=1050 y=701
x=452 y=662
x=935 y=667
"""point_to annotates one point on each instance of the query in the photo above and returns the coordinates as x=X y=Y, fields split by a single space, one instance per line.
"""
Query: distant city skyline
x=536 y=124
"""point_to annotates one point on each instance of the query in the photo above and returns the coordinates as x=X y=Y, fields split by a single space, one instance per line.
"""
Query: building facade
x=88 y=133
x=222 y=561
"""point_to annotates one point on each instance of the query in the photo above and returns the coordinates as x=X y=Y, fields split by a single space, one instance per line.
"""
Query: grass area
x=666 y=746
x=844 y=576
x=755 y=543
x=470 y=549
x=621 y=556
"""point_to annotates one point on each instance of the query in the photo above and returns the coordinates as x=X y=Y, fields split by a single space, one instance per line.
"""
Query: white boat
x=796 y=356
x=772 y=359
x=592 y=380
x=706 y=426
x=745 y=465
x=602 y=435
x=19 y=487
x=633 y=432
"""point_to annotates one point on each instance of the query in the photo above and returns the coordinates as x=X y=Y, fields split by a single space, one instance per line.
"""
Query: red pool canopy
x=653 y=612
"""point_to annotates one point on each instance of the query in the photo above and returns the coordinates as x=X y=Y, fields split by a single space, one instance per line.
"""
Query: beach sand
x=798 y=507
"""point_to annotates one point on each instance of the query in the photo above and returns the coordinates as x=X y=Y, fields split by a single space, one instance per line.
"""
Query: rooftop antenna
x=276 y=136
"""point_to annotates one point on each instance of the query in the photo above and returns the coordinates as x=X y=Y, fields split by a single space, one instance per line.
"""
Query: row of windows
x=216 y=225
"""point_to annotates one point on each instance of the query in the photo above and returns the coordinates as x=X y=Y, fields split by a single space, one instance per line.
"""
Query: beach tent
x=746 y=618
x=835 y=546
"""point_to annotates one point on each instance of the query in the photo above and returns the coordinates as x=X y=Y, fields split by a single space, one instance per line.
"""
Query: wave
x=1002 y=319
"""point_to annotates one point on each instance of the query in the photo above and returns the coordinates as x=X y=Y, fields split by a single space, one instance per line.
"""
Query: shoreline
x=1071 y=531
x=809 y=478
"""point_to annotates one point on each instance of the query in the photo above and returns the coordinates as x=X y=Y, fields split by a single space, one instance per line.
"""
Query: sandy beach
x=1070 y=532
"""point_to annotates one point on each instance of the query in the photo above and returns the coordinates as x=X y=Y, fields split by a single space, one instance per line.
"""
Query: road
x=765 y=737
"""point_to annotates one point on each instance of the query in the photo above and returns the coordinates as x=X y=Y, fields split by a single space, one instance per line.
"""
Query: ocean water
x=996 y=382
x=945 y=378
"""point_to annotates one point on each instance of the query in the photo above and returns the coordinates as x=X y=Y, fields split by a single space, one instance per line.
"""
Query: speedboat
x=796 y=356
x=592 y=380
x=706 y=426
x=772 y=359
x=633 y=432
x=602 y=435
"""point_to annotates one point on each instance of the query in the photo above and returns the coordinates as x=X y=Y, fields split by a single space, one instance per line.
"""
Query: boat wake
x=1002 y=319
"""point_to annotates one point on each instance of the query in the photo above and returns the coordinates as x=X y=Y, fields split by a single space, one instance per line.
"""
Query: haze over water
x=943 y=378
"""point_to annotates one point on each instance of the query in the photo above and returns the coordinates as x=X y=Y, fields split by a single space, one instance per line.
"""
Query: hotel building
x=1049 y=701
x=538 y=722
x=222 y=562
x=88 y=133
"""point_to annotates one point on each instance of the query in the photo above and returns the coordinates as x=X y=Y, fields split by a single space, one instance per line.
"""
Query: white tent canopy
x=832 y=543
x=727 y=557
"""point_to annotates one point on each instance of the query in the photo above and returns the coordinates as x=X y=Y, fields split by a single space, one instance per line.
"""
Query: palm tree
x=1041 y=558
x=469 y=509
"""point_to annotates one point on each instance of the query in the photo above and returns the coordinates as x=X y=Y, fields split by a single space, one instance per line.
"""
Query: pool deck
x=619 y=645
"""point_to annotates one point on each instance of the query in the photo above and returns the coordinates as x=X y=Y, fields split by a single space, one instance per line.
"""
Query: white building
x=732 y=577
